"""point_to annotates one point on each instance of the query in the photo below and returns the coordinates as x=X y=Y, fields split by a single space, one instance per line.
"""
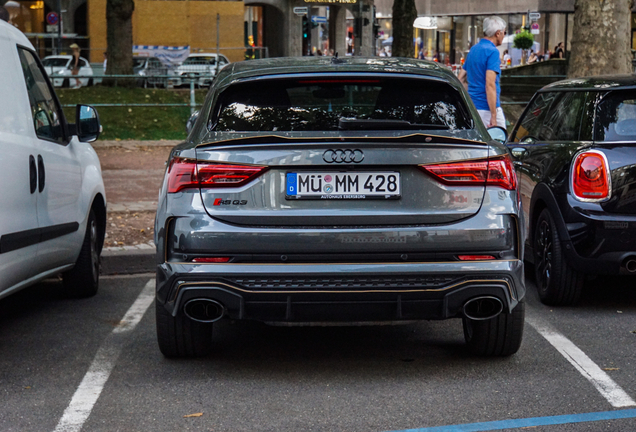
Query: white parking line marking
x=93 y=383
x=611 y=391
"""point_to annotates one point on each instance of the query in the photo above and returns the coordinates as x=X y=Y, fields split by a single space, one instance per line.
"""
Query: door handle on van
x=33 y=174
x=41 y=175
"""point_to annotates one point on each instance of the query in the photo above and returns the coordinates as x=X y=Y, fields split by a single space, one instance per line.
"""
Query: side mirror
x=498 y=133
x=87 y=124
x=191 y=121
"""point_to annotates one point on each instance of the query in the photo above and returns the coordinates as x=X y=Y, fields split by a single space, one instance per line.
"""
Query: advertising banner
x=171 y=56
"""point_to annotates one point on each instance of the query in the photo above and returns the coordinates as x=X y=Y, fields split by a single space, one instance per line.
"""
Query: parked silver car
x=200 y=67
x=322 y=191
x=52 y=204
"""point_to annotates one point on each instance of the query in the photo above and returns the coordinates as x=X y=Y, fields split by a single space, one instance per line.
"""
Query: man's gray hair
x=492 y=25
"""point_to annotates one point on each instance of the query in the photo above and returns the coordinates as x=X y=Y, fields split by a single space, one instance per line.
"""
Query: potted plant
x=523 y=41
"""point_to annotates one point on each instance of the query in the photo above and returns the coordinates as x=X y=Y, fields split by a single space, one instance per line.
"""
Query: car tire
x=180 y=336
x=496 y=337
x=557 y=282
x=83 y=279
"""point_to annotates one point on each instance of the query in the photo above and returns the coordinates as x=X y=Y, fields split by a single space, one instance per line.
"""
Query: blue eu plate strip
x=291 y=184
x=532 y=421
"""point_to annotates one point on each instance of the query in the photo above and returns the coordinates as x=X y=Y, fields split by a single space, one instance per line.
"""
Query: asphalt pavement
x=94 y=365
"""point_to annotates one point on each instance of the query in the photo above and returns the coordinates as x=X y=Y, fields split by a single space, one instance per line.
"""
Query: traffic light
x=306 y=28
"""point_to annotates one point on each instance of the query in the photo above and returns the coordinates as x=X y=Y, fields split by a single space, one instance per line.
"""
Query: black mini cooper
x=574 y=150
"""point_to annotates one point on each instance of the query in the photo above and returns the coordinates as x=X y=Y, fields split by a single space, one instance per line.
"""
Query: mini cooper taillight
x=487 y=172
x=590 y=177
x=188 y=173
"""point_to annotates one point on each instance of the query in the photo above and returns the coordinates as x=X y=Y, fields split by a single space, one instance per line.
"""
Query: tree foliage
x=601 y=38
x=404 y=14
x=523 y=40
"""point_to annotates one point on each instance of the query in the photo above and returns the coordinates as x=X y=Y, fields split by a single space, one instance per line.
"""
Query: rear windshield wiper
x=377 y=124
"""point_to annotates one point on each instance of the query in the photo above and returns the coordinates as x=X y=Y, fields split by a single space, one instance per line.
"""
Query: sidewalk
x=132 y=173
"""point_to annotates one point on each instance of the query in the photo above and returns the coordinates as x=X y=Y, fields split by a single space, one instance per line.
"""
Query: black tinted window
x=616 y=117
x=563 y=120
x=319 y=104
x=532 y=121
x=47 y=116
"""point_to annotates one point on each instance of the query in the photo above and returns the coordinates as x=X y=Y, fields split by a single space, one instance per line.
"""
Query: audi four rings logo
x=343 y=156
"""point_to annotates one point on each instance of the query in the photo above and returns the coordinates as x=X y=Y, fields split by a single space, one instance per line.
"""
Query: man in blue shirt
x=481 y=72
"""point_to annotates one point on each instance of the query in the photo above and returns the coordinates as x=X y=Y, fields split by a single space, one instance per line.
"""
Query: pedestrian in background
x=75 y=65
x=105 y=61
x=482 y=70
x=558 y=51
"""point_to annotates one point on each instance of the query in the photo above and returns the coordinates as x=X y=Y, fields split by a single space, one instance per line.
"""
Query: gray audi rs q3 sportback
x=339 y=191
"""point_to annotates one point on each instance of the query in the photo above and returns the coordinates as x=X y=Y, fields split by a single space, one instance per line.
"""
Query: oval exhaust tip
x=483 y=308
x=630 y=265
x=204 y=310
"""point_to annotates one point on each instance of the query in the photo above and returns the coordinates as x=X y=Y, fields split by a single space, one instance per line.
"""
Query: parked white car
x=52 y=204
x=199 y=66
x=58 y=69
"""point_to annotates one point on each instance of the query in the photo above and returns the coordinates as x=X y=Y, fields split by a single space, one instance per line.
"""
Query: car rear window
x=55 y=62
x=316 y=104
x=616 y=117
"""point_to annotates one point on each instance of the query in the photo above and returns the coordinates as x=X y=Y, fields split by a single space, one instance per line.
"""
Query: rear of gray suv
x=326 y=191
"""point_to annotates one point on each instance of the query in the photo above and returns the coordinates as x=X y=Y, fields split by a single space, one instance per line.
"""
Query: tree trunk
x=404 y=13
x=119 y=40
x=601 y=38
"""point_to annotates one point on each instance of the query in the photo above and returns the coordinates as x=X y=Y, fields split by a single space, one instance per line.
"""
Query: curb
x=116 y=261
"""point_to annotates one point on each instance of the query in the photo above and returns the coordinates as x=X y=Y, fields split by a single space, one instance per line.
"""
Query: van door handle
x=41 y=174
x=33 y=174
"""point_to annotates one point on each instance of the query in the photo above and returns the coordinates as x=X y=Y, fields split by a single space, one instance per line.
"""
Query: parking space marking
x=93 y=383
x=611 y=391
x=530 y=422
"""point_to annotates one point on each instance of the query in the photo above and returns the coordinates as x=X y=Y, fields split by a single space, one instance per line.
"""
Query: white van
x=52 y=199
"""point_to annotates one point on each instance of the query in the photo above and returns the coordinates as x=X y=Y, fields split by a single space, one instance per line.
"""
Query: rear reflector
x=475 y=257
x=487 y=172
x=590 y=177
x=211 y=259
x=188 y=173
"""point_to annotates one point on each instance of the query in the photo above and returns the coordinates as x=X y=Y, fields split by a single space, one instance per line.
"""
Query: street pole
x=218 y=50
x=59 y=26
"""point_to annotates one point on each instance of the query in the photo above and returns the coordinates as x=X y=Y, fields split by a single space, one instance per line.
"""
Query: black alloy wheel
x=557 y=282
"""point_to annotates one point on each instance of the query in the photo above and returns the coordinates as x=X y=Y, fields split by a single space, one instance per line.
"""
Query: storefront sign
x=425 y=23
x=332 y=1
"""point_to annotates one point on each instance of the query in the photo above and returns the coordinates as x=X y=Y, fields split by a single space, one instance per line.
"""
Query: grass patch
x=139 y=123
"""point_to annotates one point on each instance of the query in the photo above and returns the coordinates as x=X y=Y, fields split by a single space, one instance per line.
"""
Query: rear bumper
x=340 y=292
x=598 y=242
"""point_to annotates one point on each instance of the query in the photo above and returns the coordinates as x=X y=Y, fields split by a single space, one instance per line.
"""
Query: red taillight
x=475 y=257
x=188 y=173
x=491 y=172
x=211 y=259
x=590 y=177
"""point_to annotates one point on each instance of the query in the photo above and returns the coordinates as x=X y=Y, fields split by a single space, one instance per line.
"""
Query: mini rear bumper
x=342 y=292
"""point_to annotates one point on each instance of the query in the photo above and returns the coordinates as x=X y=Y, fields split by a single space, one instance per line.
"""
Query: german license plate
x=343 y=185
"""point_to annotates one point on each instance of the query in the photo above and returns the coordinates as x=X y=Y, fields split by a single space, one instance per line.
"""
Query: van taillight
x=590 y=177
x=188 y=173
x=487 y=172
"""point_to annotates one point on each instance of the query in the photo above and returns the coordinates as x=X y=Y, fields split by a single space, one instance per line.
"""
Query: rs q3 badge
x=222 y=202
